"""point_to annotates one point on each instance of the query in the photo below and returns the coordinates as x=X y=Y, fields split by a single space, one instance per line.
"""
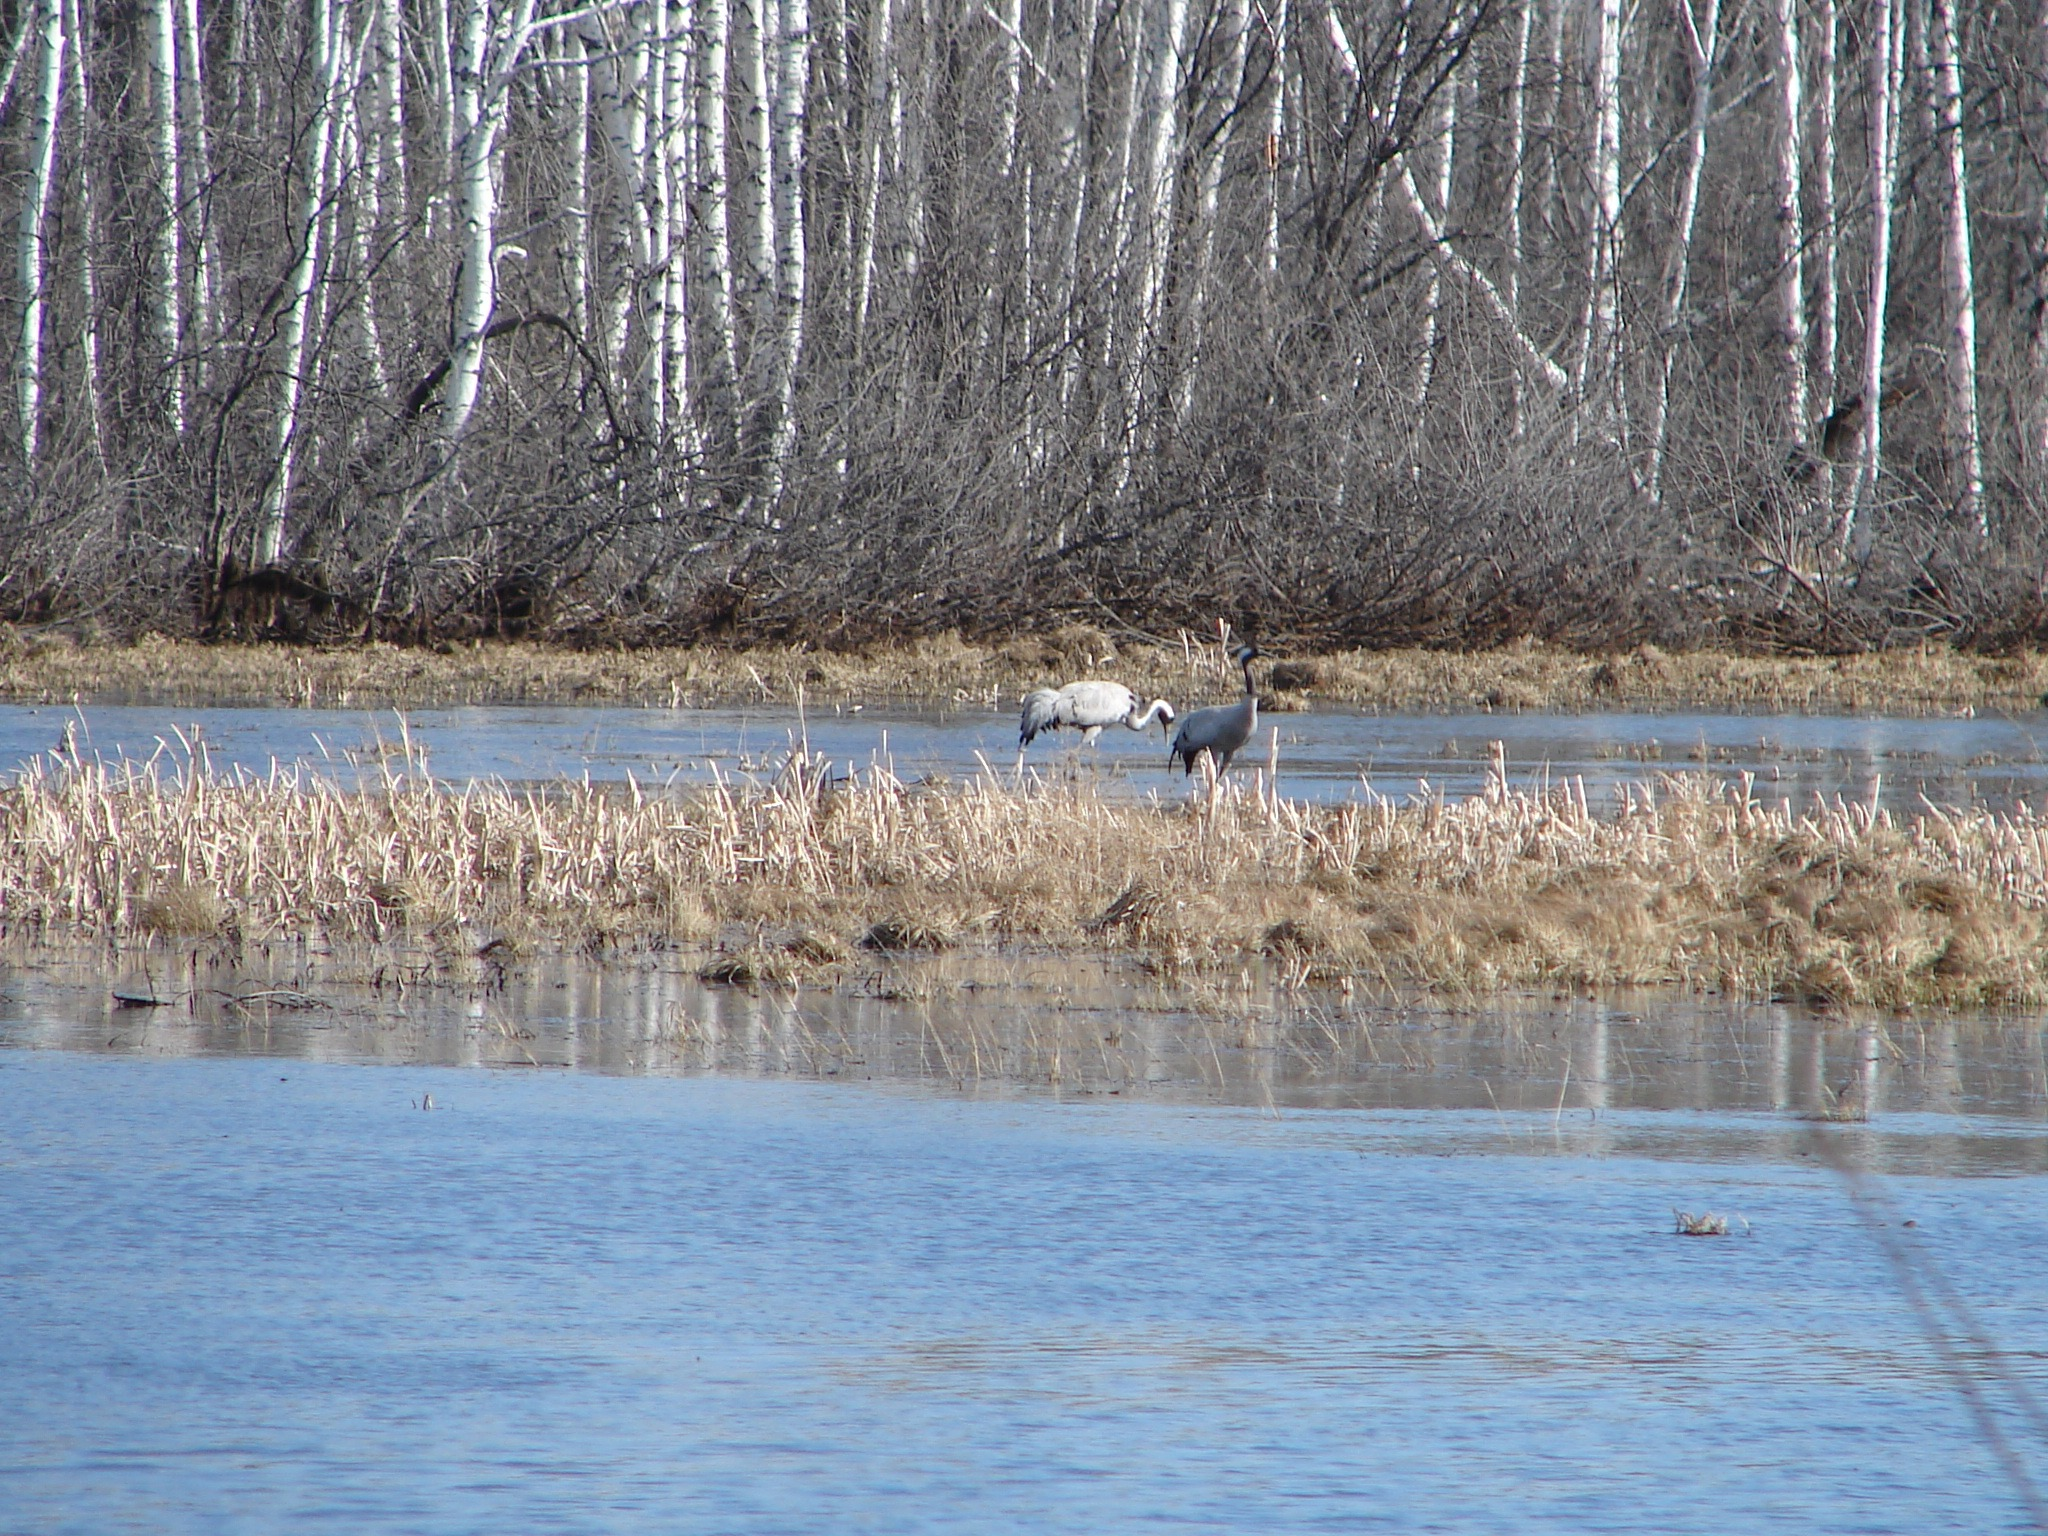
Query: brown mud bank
x=1685 y=882
x=1523 y=676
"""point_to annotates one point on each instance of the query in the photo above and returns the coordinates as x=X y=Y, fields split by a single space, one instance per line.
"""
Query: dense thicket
x=1403 y=319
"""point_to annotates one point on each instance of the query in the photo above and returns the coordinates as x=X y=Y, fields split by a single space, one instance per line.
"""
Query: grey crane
x=1087 y=707
x=1220 y=729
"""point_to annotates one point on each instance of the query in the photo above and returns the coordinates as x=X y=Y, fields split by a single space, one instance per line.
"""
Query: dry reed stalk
x=1685 y=881
x=1523 y=676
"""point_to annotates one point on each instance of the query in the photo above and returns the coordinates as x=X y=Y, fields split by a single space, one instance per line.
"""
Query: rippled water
x=1326 y=754
x=249 y=1283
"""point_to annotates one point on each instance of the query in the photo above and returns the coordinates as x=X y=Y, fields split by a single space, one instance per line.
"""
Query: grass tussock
x=1522 y=676
x=1685 y=881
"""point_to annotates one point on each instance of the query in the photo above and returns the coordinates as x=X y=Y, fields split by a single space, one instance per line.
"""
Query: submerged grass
x=1524 y=676
x=1687 y=881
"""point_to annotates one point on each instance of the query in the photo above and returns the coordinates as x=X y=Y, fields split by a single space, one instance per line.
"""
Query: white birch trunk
x=48 y=21
x=1276 y=146
x=1550 y=111
x=161 y=37
x=385 y=186
x=292 y=327
x=79 y=109
x=440 y=63
x=1958 y=273
x=1236 y=29
x=1162 y=176
x=196 y=146
x=622 y=109
x=1121 y=331
x=713 y=225
x=1527 y=353
x=1791 y=226
x=486 y=57
x=1078 y=151
x=881 y=89
x=2036 y=417
x=909 y=130
x=1702 y=44
x=1552 y=375
x=1433 y=289
x=574 y=245
x=1011 y=20
x=757 y=145
x=1854 y=535
x=651 y=173
x=676 y=170
x=1828 y=295
x=348 y=217
x=1518 y=146
x=793 y=75
x=1599 y=337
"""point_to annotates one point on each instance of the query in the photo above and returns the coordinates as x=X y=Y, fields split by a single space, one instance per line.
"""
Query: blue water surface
x=1327 y=754
x=257 y=1294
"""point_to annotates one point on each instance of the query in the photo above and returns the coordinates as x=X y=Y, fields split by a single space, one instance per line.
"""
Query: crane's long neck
x=1153 y=711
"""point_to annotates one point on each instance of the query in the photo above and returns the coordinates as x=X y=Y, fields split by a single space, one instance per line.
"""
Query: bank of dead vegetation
x=1685 y=882
x=947 y=668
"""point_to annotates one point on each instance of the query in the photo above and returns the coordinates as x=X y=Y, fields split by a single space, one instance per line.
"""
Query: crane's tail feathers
x=1040 y=713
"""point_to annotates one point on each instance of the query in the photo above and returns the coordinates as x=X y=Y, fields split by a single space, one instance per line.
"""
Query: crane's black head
x=1244 y=654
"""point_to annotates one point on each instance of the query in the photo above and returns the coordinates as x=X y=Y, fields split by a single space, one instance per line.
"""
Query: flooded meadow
x=754 y=1213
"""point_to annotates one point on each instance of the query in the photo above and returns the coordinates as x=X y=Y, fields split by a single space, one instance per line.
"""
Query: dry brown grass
x=1517 y=677
x=1686 y=881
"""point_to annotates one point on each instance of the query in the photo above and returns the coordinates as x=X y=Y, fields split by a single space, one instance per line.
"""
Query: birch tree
x=2036 y=418
x=1959 y=280
x=489 y=49
x=1880 y=64
x=712 y=224
x=1162 y=183
x=895 y=311
x=1702 y=38
x=1518 y=149
x=676 y=170
x=86 y=244
x=881 y=93
x=1791 y=226
x=31 y=243
x=321 y=62
x=793 y=77
x=196 y=149
x=1597 y=369
x=757 y=152
x=1827 y=345
x=161 y=76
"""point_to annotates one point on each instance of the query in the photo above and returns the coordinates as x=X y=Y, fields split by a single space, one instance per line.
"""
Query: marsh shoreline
x=1521 y=677
x=1685 y=881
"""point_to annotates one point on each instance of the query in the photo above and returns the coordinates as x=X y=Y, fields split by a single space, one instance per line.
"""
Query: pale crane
x=1086 y=707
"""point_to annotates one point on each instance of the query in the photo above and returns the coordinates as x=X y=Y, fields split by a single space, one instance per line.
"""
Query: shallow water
x=246 y=1294
x=1077 y=1026
x=1325 y=754
x=1043 y=1253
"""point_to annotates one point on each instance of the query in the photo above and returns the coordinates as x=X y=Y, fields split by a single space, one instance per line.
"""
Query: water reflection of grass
x=1523 y=676
x=1686 y=880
